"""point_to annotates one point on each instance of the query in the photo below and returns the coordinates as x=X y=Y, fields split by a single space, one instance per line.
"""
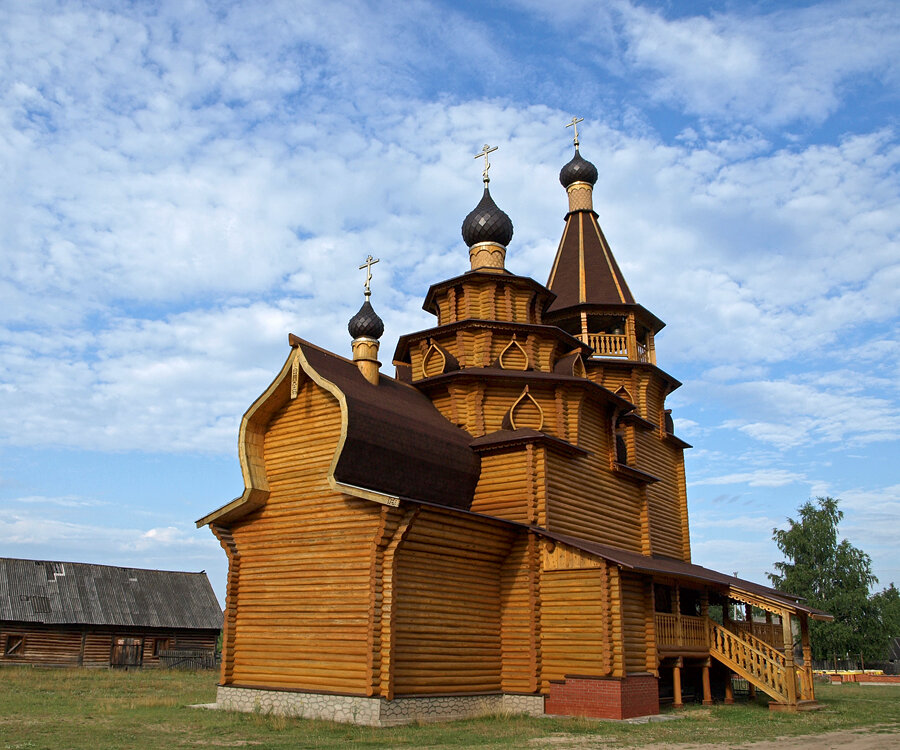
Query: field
x=96 y=710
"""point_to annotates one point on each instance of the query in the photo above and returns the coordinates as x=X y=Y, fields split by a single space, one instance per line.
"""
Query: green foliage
x=833 y=576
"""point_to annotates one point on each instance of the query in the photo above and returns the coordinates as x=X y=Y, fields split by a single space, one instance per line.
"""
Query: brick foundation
x=603 y=698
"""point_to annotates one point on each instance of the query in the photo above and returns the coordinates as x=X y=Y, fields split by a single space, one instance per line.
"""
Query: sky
x=184 y=183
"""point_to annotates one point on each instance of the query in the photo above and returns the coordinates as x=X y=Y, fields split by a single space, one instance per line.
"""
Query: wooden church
x=502 y=526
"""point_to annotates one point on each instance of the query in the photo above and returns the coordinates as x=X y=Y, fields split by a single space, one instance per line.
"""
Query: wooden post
x=790 y=677
x=631 y=337
x=707 y=692
x=676 y=682
x=751 y=691
x=729 y=691
x=807 y=658
x=678 y=639
x=704 y=612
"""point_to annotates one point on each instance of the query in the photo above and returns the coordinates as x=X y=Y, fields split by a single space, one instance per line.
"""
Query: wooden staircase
x=763 y=666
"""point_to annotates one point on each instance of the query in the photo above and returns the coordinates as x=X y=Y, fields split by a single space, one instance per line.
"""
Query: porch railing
x=686 y=631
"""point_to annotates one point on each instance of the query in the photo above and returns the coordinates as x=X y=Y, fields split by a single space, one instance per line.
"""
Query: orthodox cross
x=574 y=126
x=485 y=150
x=370 y=261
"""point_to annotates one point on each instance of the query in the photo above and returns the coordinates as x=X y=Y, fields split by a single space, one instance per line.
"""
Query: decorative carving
x=513 y=356
x=437 y=360
x=434 y=361
x=525 y=413
x=295 y=377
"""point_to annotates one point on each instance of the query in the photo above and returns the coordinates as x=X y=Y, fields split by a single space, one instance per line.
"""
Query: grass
x=96 y=710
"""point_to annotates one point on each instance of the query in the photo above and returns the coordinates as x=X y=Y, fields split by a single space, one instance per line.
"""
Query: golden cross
x=370 y=261
x=485 y=150
x=574 y=126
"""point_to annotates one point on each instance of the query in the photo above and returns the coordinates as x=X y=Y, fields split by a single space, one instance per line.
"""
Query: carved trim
x=514 y=343
x=433 y=350
x=518 y=402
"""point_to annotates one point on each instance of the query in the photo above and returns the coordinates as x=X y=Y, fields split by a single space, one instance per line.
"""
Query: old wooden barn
x=77 y=614
x=501 y=526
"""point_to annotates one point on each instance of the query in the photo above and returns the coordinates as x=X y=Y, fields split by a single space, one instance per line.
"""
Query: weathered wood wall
x=91 y=646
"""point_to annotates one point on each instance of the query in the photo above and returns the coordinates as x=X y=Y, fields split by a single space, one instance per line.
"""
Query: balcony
x=616 y=345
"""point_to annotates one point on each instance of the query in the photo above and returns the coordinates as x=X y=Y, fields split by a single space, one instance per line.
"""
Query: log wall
x=520 y=605
x=577 y=629
x=667 y=502
x=638 y=624
x=447 y=620
x=301 y=618
x=585 y=499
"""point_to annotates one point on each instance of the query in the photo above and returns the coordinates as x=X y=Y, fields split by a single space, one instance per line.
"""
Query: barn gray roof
x=66 y=593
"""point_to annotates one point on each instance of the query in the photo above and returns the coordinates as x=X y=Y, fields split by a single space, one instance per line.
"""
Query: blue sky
x=184 y=183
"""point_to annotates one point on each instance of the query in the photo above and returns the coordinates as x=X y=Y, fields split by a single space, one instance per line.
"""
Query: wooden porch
x=758 y=647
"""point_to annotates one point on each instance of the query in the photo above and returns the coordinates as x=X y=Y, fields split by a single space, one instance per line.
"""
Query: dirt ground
x=872 y=738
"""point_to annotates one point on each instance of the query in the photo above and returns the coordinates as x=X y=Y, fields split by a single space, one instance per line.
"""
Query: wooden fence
x=189 y=658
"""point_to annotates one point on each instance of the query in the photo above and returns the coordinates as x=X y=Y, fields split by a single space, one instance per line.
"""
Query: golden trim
x=431 y=349
x=512 y=342
x=518 y=401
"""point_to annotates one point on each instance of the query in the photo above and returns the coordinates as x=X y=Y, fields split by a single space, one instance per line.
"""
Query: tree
x=833 y=576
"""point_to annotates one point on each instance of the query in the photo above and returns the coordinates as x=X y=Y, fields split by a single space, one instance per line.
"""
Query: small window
x=160 y=644
x=15 y=645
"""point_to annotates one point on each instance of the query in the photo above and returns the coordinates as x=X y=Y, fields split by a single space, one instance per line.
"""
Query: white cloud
x=758 y=478
x=776 y=68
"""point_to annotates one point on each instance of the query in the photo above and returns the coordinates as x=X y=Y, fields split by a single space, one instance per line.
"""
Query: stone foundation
x=604 y=698
x=375 y=712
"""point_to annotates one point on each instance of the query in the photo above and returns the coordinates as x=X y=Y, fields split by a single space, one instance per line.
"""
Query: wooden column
x=678 y=637
x=707 y=692
x=790 y=678
x=729 y=691
x=676 y=682
x=809 y=692
x=631 y=338
x=704 y=612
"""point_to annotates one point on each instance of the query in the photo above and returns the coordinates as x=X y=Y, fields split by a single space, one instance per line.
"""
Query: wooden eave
x=634 y=475
x=401 y=353
x=635 y=420
x=676 y=441
x=504 y=439
x=630 y=364
x=642 y=314
x=526 y=377
x=429 y=305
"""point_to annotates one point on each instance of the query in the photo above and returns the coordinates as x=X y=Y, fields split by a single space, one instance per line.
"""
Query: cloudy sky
x=183 y=183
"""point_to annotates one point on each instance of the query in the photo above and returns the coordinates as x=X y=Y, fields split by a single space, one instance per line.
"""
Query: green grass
x=96 y=710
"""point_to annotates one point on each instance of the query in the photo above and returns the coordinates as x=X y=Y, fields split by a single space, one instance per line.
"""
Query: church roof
x=397 y=443
x=68 y=593
x=585 y=270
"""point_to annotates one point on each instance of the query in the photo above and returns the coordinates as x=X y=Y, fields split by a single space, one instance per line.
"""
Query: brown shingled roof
x=585 y=270
x=678 y=569
x=397 y=442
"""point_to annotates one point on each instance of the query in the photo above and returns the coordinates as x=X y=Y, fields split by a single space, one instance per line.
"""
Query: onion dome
x=578 y=170
x=487 y=223
x=366 y=323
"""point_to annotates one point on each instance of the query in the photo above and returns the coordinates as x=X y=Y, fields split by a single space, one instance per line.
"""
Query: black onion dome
x=366 y=323
x=578 y=170
x=487 y=223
